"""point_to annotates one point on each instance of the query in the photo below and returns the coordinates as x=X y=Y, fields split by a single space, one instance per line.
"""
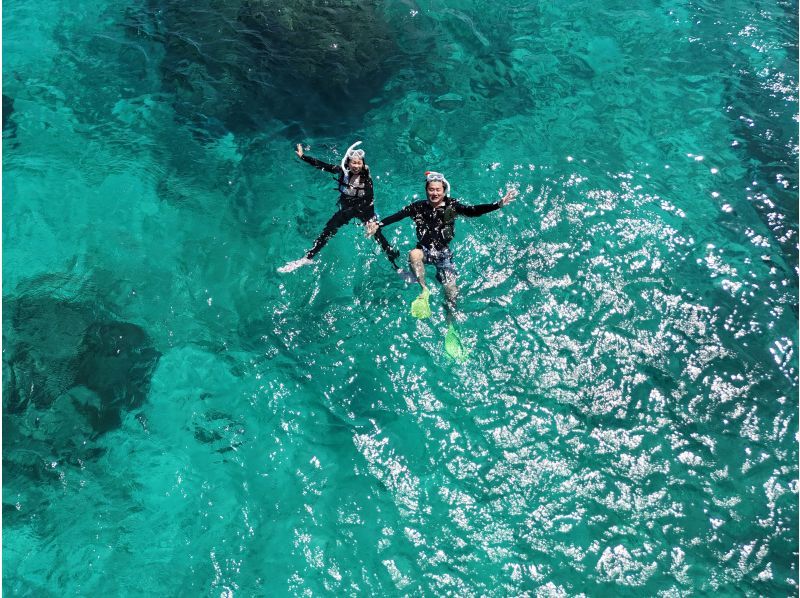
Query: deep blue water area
x=181 y=419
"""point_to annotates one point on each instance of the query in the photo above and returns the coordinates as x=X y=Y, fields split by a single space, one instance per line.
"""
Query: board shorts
x=443 y=260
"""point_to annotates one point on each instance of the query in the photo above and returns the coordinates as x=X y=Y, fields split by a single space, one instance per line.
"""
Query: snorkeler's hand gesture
x=299 y=150
x=510 y=196
x=372 y=227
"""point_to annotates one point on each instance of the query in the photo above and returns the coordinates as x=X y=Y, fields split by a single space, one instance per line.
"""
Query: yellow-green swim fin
x=453 y=346
x=421 y=306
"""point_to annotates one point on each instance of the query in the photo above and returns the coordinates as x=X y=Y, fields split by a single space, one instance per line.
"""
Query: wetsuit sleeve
x=321 y=165
x=477 y=210
x=397 y=216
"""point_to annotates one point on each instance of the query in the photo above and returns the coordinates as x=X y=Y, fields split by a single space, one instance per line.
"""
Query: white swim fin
x=292 y=266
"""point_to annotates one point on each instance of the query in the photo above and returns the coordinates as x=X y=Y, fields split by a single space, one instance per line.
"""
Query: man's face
x=435 y=192
x=356 y=164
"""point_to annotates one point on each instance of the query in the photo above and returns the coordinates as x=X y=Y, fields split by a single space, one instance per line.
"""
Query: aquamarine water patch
x=625 y=420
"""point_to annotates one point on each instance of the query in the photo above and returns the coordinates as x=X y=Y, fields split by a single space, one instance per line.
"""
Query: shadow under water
x=70 y=358
x=235 y=66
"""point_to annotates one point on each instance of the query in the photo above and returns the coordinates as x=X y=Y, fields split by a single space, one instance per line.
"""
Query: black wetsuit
x=356 y=200
x=436 y=226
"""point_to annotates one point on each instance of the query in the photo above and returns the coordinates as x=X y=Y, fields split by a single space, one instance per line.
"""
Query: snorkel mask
x=352 y=152
x=431 y=176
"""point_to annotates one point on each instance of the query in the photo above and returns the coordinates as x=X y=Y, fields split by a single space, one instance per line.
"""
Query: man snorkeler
x=435 y=221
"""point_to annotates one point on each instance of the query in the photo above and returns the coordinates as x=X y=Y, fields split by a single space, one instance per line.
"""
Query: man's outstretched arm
x=485 y=208
x=374 y=226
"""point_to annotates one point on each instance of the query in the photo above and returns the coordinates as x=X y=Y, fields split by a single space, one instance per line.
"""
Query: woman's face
x=356 y=165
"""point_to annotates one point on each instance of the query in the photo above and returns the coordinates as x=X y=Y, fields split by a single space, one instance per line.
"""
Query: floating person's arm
x=485 y=208
x=316 y=163
x=374 y=226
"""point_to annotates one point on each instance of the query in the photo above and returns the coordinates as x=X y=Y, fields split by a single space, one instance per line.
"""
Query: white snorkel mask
x=352 y=152
x=431 y=176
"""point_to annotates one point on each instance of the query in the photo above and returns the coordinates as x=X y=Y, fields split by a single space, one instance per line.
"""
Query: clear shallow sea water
x=180 y=419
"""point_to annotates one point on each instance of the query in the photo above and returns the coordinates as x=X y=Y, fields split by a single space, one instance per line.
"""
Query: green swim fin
x=453 y=345
x=421 y=306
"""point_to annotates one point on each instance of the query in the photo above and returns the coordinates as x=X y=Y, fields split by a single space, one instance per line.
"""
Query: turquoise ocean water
x=181 y=420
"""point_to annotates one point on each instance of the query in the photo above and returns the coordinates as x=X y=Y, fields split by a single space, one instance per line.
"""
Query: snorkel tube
x=347 y=154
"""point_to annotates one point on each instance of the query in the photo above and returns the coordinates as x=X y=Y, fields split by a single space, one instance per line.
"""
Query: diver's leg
x=451 y=294
x=451 y=297
x=336 y=222
x=446 y=274
x=391 y=253
x=415 y=260
x=339 y=219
